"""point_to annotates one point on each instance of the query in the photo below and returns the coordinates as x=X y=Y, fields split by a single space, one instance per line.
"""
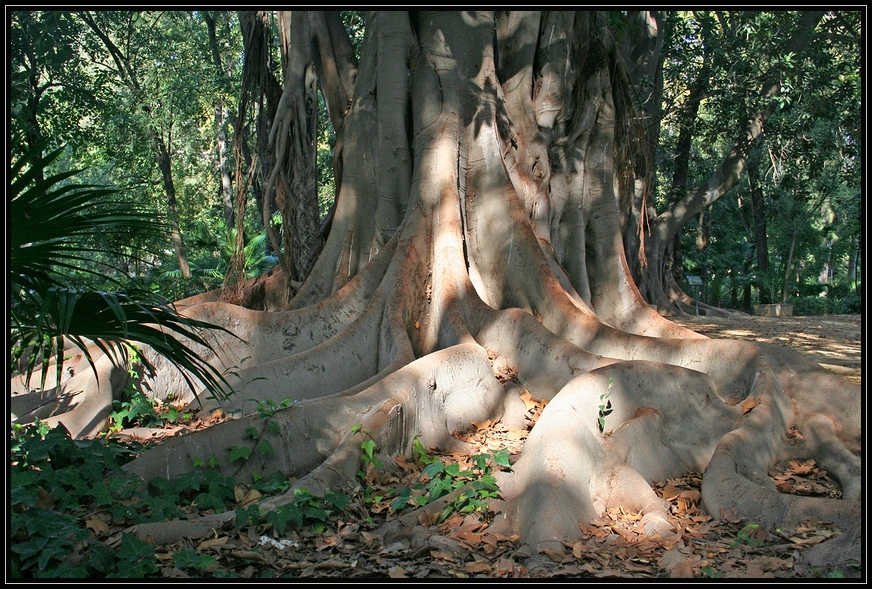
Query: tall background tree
x=496 y=205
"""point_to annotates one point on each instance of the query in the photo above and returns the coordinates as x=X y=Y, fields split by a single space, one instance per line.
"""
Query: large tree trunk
x=226 y=188
x=761 y=245
x=505 y=275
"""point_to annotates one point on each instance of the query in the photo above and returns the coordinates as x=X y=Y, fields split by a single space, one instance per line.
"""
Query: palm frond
x=48 y=220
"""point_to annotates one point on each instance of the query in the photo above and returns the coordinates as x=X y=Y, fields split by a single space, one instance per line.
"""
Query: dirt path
x=835 y=341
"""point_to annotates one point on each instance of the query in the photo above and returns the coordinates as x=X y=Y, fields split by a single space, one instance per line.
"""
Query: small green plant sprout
x=420 y=452
x=605 y=407
x=369 y=456
x=752 y=535
x=268 y=408
x=370 y=460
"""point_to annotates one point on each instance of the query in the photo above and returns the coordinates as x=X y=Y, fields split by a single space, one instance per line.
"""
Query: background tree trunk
x=758 y=207
x=666 y=225
x=164 y=162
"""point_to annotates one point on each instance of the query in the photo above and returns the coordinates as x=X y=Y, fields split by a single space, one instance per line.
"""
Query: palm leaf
x=49 y=220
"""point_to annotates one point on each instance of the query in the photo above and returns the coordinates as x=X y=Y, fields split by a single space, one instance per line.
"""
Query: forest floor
x=366 y=542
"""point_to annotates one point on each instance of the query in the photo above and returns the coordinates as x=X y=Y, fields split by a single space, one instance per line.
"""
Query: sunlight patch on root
x=349 y=358
x=828 y=451
x=817 y=391
x=544 y=362
x=430 y=398
x=280 y=338
x=75 y=361
x=82 y=404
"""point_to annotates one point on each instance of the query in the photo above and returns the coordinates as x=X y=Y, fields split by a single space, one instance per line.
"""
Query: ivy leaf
x=265 y=448
x=239 y=453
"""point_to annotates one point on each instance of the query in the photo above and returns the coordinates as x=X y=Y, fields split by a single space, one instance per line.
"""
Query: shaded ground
x=371 y=540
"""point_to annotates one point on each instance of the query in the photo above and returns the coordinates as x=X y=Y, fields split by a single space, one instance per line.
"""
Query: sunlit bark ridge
x=477 y=236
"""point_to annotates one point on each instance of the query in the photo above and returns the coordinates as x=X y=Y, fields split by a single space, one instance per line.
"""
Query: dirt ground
x=835 y=341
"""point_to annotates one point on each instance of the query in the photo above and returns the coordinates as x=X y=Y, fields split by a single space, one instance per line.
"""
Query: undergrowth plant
x=438 y=479
x=132 y=408
x=58 y=485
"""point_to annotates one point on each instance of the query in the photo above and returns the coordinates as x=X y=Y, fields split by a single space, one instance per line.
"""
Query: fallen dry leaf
x=214 y=542
x=528 y=400
x=477 y=566
x=327 y=541
x=505 y=567
x=439 y=555
x=397 y=572
x=556 y=555
x=682 y=570
x=97 y=525
x=749 y=404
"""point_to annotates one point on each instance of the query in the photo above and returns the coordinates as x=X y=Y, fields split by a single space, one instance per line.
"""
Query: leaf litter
x=615 y=546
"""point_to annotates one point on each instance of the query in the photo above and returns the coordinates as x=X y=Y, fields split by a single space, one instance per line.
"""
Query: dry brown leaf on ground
x=397 y=572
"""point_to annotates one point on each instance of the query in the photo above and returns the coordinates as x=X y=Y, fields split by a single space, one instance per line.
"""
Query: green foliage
x=268 y=408
x=216 y=246
x=711 y=572
x=750 y=535
x=187 y=557
x=847 y=304
x=605 y=408
x=808 y=156
x=369 y=457
x=438 y=479
x=139 y=410
x=307 y=510
x=57 y=482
